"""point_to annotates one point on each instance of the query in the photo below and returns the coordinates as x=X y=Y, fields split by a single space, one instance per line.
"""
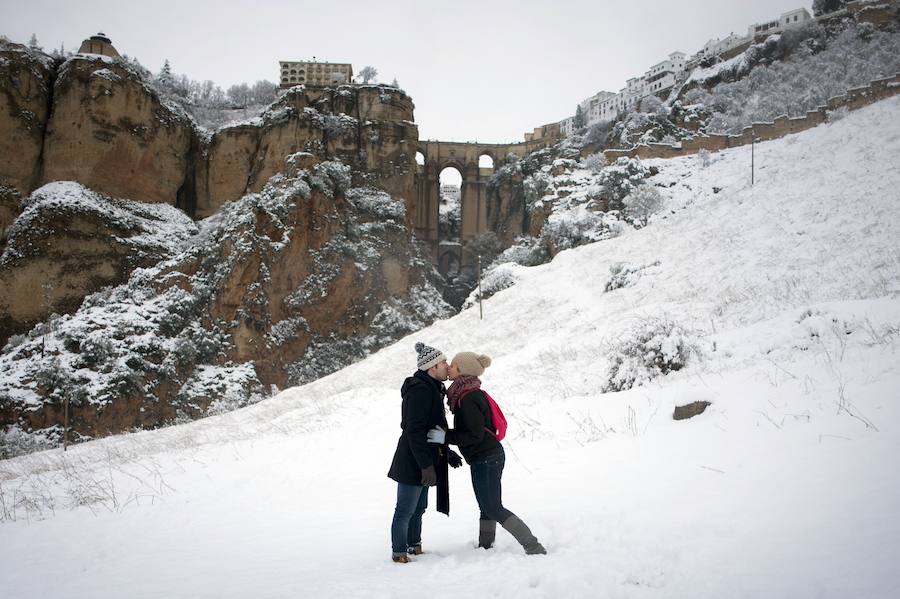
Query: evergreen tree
x=579 y=117
x=821 y=7
x=165 y=81
x=33 y=42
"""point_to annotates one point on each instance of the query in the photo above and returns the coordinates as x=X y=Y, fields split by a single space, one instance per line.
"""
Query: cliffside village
x=660 y=80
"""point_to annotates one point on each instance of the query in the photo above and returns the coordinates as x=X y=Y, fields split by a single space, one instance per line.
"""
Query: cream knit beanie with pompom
x=470 y=363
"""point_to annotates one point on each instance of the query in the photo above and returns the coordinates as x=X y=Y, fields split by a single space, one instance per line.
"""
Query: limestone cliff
x=300 y=266
x=95 y=120
x=278 y=288
x=112 y=134
x=70 y=242
x=26 y=85
x=368 y=127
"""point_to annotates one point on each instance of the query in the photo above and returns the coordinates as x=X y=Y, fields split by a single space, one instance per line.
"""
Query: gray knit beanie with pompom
x=428 y=356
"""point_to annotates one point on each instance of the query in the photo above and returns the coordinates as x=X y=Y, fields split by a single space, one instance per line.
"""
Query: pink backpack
x=497 y=417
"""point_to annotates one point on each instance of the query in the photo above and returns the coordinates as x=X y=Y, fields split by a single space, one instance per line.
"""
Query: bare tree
x=263 y=92
x=239 y=95
x=368 y=73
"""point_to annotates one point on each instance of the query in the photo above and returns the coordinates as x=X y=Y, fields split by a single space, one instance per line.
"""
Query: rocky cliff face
x=287 y=279
x=369 y=127
x=26 y=85
x=109 y=132
x=94 y=120
x=69 y=242
x=278 y=288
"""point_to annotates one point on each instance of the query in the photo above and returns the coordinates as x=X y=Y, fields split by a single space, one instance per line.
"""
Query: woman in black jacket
x=473 y=433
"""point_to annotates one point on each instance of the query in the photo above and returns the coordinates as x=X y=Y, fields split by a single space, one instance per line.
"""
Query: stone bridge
x=448 y=254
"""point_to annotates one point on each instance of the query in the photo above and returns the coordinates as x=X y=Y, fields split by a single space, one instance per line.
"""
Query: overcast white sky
x=476 y=70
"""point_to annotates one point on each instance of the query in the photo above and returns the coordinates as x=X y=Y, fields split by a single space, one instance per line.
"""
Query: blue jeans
x=487 y=471
x=406 y=528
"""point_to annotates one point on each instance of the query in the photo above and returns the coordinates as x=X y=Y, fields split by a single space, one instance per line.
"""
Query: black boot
x=487 y=530
x=522 y=534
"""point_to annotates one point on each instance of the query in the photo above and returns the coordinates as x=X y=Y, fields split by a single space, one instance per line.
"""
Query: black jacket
x=469 y=421
x=422 y=410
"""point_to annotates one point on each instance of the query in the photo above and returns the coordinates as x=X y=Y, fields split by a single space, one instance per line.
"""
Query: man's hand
x=437 y=435
x=453 y=459
x=429 y=476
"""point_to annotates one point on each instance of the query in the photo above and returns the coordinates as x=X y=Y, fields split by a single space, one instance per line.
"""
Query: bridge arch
x=474 y=209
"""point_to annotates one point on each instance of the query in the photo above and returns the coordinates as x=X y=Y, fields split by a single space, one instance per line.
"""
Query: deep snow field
x=787 y=486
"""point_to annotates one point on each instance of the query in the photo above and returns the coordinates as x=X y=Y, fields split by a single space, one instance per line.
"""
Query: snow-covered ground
x=786 y=486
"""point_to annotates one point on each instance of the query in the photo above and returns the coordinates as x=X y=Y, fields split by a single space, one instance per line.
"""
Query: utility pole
x=752 y=158
x=48 y=286
x=480 y=310
x=66 y=422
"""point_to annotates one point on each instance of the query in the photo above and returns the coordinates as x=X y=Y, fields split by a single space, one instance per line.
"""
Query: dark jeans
x=406 y=528
x=486 y=473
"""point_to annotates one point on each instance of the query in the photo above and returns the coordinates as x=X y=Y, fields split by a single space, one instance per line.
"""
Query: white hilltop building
x=661 y=78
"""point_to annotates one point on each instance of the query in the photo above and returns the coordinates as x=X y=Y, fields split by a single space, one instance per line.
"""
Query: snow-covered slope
x=785 y=487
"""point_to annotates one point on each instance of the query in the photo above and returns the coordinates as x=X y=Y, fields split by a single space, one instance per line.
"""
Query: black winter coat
x=422 y=410
x=469 y=433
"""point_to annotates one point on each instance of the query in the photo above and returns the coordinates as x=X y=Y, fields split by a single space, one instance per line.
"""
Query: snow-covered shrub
x=330 y=177
x=398 y=317
x=183 y=308
x=598 y=134
x=595 y=162
x=624 y=274
x=14 y=342
x=525 y=250
x=652 y=105
x=621 y=178
x=487 y=245
x=449 y=218
x=285 y=330
x=225 y=388
x=323 y=356
x=376 y=202
x=15 y=442
x=651 y=349
x=535 y=186
x=641 y=203
x=577 y=227
x=836 y=115
x=496 y=279
x=95 y=350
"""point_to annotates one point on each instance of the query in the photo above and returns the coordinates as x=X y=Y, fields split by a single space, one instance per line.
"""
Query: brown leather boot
x=415 y=550
x=401 y=558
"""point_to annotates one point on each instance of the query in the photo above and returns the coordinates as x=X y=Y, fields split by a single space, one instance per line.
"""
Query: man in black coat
x=417 y=464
